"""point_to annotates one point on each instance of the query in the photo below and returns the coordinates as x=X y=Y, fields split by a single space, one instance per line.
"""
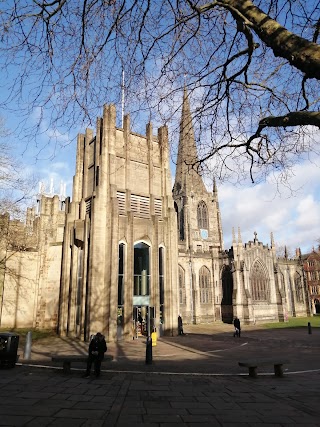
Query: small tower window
x=298 y=287
x=182 y=286
x=202 y=213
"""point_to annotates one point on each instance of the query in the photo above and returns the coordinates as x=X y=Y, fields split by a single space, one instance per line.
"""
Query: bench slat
x=253 y=365
x=75 y=358
x=68 y=359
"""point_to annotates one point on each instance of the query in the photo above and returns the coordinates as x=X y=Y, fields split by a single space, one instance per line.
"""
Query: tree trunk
x=301 y=53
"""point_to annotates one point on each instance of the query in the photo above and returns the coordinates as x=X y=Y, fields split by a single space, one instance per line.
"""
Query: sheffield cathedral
x=128 y=250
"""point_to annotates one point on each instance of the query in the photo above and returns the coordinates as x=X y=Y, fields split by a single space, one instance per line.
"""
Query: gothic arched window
x=182 y=286
x=121 y=267
x=202 y=213
x=141 y=268
x=281 y=283
x=259 y=283
x=180 y=221
x=205 y=286
x=298 y=287
x=181 y=224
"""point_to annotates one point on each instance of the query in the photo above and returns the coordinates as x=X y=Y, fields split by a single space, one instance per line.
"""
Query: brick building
x=311 y=266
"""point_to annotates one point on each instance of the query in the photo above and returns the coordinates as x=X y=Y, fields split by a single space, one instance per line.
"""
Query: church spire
x=187 y=151
x=214 y=191
x=272 y=240
x=233 y=237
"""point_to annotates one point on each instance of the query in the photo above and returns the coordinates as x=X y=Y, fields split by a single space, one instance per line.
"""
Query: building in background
x=127 y=251
x=311 y=266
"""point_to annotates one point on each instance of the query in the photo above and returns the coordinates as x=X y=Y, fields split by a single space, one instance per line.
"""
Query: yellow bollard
x=154 y=339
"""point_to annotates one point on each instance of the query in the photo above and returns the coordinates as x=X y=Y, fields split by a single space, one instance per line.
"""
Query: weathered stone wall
x=32 y=269
x=20 y=290
x=49 y=288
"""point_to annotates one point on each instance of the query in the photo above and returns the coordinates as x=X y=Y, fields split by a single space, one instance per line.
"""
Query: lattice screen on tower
x=88 y=206
x=121 y=202
x=158 y=207
x=140 y=206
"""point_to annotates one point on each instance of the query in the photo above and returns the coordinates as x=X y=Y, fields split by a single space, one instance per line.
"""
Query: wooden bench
x=68 y=359
x=253 y=365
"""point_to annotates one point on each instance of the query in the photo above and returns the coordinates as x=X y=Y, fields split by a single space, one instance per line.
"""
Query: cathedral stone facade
x=127 y=247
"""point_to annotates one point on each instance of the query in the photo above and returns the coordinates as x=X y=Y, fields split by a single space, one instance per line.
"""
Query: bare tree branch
x=251 y=67
x=297 y=118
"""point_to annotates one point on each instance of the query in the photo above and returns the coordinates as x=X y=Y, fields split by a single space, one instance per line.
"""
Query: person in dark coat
x=180 y=325
x=97 y=348
x=237 y=327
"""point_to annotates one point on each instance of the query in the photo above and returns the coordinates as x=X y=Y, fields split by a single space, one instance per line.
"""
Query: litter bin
x=8 y=349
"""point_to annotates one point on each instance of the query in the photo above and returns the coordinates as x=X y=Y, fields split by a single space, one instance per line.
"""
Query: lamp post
x=191 y=290
x=149 y=341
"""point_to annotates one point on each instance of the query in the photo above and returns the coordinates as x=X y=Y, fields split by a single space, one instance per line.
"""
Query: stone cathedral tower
x=200 y=240
x=120 y=244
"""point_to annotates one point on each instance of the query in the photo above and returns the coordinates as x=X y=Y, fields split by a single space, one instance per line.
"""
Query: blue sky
x=292 y=216
x=291 y=211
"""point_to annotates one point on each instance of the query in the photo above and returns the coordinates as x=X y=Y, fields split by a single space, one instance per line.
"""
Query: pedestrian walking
x=180 y=325
x=237 y=327
x=97 y=348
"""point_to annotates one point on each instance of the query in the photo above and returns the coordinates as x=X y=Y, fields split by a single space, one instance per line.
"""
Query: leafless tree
x=251 y=68
x=283 y=251
x=17 y=187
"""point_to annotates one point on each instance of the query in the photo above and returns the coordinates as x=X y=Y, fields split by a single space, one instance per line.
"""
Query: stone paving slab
x=194 y=380
x=186 y=400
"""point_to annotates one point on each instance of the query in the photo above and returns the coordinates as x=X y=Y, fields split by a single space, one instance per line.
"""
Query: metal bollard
x=27 y=348
x=149 y=351
x=309 y=328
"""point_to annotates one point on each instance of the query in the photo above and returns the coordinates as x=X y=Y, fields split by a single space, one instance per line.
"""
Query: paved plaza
x=194 y=380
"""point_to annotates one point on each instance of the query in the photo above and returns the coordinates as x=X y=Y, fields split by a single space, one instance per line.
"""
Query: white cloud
x=294 y=221
x=292 y=213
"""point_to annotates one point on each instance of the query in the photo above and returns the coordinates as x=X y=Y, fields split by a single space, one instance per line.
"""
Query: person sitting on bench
x=97 y=348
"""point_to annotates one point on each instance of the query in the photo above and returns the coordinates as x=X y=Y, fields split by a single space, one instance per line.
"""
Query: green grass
x=294 y=322
x=36 y=333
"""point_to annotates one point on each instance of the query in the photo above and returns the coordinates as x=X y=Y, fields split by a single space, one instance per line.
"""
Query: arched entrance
x=227 y=291
x=141 y=289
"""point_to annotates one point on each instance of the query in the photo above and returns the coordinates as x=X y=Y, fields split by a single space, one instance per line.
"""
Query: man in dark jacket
x=97 y=348
x=180 y=325
x=237 y=328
